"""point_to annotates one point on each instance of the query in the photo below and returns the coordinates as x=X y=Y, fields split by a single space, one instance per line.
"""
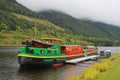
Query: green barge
x=47 y=51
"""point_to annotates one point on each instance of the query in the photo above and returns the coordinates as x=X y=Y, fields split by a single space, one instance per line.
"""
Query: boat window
x=30 y=51
x=41 y=51
x=55 y=52
x=49 y=51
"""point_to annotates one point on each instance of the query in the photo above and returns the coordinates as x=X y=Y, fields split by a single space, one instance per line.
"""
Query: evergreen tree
x=3 y=26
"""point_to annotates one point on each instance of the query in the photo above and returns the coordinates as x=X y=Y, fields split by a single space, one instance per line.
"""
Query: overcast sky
x=99 y=10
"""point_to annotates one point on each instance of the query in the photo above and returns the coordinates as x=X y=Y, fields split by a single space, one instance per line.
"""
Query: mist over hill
x=106 y=11
x=15 y=17
x=85 y=27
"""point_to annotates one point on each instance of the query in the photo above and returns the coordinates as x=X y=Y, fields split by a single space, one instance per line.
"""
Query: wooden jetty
x=77 y=60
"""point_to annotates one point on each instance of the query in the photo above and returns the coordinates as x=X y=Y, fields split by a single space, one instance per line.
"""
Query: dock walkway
x=77 y=60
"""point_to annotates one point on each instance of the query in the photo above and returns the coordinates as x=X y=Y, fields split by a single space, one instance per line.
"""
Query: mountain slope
x=69 y=23
x=14 y=14
x=22 y=23
x=37 y=20
x=111 y=30
x=13 y=6
x=85 y=27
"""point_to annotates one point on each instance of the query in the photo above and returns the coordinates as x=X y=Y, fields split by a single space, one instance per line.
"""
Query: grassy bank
x=108 y=69
x=10 y=38
x=14 y=38
x=112 y=73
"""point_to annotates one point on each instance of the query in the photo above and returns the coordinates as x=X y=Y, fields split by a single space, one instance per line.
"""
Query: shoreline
x=10 y=45
x=96 y=70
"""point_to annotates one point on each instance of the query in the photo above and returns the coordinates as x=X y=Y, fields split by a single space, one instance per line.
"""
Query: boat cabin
x=51 y=40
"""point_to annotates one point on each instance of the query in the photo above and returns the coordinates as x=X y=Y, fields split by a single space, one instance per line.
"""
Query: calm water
x=10 y=69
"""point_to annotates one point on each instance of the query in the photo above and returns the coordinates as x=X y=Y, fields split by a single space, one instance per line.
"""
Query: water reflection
x=40 y=73
x=35 y=68
x=8 y=51
x=48 y=73
x=51 y=73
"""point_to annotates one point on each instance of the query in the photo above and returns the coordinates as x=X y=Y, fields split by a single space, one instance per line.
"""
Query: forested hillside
x=85 y=27
x=18 y=23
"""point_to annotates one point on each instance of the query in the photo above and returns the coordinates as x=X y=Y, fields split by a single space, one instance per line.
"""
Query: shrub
x=1 y=35
x=20 y=36
x=104 y=65
x=89 y=74
x=114 y=57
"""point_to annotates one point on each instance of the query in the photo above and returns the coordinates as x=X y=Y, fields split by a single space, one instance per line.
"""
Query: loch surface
x=11 y=70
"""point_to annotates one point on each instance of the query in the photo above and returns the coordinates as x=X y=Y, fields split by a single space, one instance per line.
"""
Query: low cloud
x=99 y=10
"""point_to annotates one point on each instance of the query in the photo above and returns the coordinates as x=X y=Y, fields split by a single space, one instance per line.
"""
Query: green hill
x=85 y=27
x=18 y=23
